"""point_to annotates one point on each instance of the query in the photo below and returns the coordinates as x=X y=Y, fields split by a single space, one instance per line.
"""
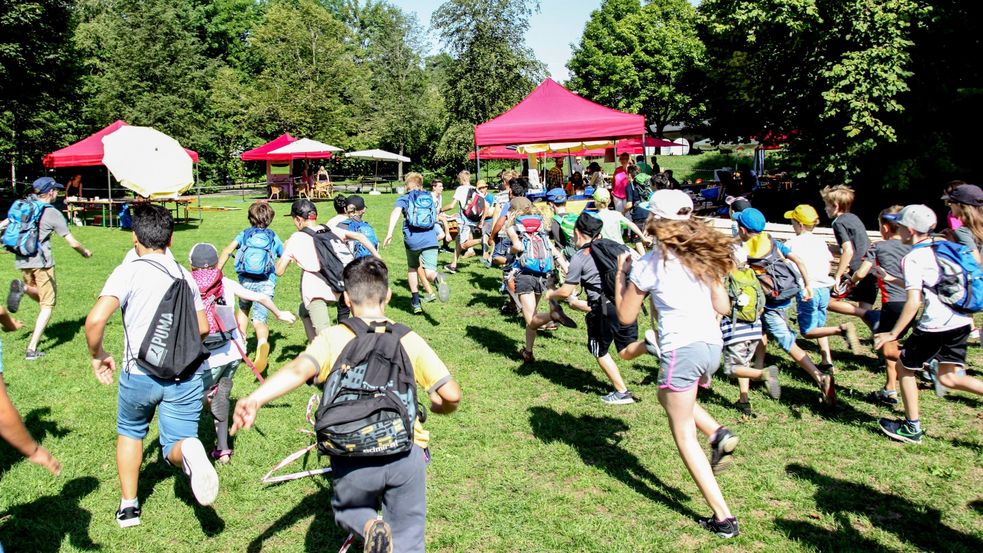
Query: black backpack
x=172 y=348
x=778 y=280
x=605 y=254
x=333 y=256
x=369 y=403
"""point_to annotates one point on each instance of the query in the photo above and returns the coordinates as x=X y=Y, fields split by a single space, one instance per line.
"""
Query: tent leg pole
x=198 y=189
x=109 y=192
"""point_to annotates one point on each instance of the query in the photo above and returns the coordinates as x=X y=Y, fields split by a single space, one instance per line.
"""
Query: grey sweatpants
x=399 y=484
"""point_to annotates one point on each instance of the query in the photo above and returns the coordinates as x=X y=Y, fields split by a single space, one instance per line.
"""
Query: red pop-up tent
x=552 y=113
x=262 y=153
x=89 y=150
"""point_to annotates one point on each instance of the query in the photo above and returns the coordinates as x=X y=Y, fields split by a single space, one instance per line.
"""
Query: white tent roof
x=306 y=146
x=377 y=155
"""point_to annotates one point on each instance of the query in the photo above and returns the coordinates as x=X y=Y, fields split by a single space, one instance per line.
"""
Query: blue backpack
x=422 y=212
x=22 y=233
x=960 y=284
x=255 y=257
x=365 y=229
x=537 y=255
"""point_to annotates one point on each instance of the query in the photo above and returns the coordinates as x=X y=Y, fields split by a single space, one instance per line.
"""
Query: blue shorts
x=266 y=287
x=777 y=327
x=178 y=405
x=812 y=313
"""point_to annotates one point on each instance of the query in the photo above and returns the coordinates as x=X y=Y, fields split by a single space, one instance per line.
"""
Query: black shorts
x=948 y=346
x=890 y=313
x=865 y=291
x=603 y=329
x=529 y=284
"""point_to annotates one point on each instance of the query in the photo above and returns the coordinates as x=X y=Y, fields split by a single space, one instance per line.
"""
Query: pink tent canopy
x=262 y=153
x=552 y=113
x=89 y=150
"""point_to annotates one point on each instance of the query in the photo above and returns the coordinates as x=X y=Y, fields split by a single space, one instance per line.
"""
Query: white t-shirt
x=920 y=271
x=613 y=221
x=140 y=286
x=132 y=254
x=685 y=310
x=299 y=248
x=461 y=197
x=813 y=252
x=228 y=352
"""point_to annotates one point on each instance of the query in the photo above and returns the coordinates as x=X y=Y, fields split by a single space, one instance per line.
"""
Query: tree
x=492 y=69
x=641 y=59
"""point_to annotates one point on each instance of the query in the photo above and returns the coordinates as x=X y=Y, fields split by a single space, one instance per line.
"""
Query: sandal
x=527 y=356
x=222 y=455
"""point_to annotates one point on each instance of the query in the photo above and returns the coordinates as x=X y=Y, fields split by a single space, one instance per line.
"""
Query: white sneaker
x=204 y=479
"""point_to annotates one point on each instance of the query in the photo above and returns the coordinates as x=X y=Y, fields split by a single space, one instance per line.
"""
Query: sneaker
x=379 y=537
x=850 y=335
x=652 y=343
x=771 y=382
x=443 y=289
x=722 y=445
x=223 y=456
x=557 y=314
x=527 y=355
x=826 y=368
x=884 y=397
x=933 y=371
x=452 y=269
x=618 y=398
x=744 y=407
x=220 y=402
x=130 y=516
x=262 y=357
x=827 y=386
x=429 y=298
x=33 y=355
x=204 y=479
x=417 y=308
x=17 y=288
x=901 y=430
x=486 y=262
x=726 y=528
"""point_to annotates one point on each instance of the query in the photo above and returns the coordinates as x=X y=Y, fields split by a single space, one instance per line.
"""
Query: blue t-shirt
x=415 y=239
x=277 y=249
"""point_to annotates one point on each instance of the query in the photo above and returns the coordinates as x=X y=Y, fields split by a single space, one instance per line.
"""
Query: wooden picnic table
x=106 y=208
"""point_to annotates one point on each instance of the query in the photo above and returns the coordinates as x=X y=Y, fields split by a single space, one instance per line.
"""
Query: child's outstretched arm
x=264 y=300
x=224 y=256
x=290 y=377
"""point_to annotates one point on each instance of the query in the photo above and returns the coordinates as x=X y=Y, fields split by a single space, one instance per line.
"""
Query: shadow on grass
x=493 y=341
x=596 y=440
x=153 y=473
x=977 y=506
x=41 y=525
x=40 y=428
x=62 y=332
x=914 y=524
x=322 y=535
x=405 y=304
x=491 y=301
x=973 y=402
x=568 y=376
x=486 y=279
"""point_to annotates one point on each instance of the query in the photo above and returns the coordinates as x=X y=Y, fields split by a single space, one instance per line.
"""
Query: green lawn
x=533 y=461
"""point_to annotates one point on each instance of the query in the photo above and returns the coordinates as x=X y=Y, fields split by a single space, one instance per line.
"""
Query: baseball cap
x=642 y=179
x=303 y=208
x=803 y=213
x=751 y=219
x=737 y=203
x=355 y=201
x=917 y=217
x=556 y=196
x=588 y=225
x=45 y=184
x=966 y=194
x=203 y=255
x=602 y=195
x=674 y=205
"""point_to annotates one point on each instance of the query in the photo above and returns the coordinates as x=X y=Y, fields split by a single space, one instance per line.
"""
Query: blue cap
x=556 y=196
x=751 y=219
x=45 y=184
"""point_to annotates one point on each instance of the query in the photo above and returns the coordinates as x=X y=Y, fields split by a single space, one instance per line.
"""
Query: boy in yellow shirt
x=397 y=482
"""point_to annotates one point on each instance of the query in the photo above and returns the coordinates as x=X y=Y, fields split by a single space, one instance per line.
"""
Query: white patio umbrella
x=377 y=156
x=147 y=162
x=307 y=148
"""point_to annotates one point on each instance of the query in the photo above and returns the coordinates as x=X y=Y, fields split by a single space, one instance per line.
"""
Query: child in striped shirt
x=741 y=340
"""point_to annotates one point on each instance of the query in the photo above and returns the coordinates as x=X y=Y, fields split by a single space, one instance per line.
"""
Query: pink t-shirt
x=299 y=248
x=620 y=183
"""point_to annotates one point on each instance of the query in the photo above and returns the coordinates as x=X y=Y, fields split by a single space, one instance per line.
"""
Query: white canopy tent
x=307 y=148
x=377 y=156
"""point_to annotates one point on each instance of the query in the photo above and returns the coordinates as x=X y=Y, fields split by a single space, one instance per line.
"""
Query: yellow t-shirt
x=429 y=371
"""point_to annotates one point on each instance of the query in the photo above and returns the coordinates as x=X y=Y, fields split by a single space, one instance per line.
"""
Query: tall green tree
x=641 y=59
x=492 y=67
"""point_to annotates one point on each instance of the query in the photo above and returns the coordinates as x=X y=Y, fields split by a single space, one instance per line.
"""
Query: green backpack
x=747 y=298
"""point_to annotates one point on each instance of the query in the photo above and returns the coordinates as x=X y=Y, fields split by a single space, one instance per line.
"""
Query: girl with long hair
x=685 y=274
x=966 y=203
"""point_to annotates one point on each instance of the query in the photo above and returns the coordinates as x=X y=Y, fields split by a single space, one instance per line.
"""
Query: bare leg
x=422 y=275
x=534 y=320
x=909 y=392
x=802 y=358
x=744 y=388
x=129 y=455
x=610 y=368
x=948 y=377
x=633 y=350
x=891 y=362
x=412 y=281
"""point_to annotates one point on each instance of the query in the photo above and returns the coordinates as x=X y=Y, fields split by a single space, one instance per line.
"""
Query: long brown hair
x=972 y=217
x=705 y=252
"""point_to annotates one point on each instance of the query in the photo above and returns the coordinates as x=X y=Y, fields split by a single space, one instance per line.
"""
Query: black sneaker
x=726 y=528
x=378 y=538
x=130 y=516
x=722 y=445
x=17 y=288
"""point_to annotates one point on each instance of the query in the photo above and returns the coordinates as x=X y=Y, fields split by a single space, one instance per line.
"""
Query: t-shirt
x=620 y=183
x=461 y=196
x=132 y=254
x=614 y=222
x=583 y=272
x=52 y=221
x=734 y=332
x=428 y=370
x=301 y=250
x=639 y=212
x=140 y=286
x=413 y=238
x=849 y=228
x=813 y=252
x=966 y=237
x=227 y=352
x=277 y=247
x=921 y=270
x=686 y=313
x=887 y=255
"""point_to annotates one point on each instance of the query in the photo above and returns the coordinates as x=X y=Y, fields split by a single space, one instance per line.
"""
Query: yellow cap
x=759 y=245
x=803 y=213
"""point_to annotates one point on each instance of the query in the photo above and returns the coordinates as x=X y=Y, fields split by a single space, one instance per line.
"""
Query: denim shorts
x=257 y=312
x=777 y=327
x=177 y=403
x=812 y=314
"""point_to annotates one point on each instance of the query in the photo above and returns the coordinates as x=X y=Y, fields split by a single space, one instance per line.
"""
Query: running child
x=614 y=221
x=852 y=244
x=966 y=204
x=471 y=204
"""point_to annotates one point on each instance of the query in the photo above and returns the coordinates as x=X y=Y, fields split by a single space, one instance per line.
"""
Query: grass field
x=533 y=461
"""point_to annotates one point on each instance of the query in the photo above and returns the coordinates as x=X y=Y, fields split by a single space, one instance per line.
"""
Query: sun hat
x=803 y=213
x=966 y=194
x=674 y=205
x=203 y=255
x=750 y=219
x=917 y=217
x=556 y=196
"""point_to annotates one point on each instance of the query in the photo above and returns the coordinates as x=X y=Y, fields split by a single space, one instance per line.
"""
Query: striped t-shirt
x=739 y=331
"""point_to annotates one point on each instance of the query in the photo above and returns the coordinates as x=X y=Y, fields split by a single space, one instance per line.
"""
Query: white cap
x=667 y=204
x=917 y=217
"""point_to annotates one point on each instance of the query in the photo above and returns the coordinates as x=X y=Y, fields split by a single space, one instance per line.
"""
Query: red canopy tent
x=89 y=150
x=262 y=153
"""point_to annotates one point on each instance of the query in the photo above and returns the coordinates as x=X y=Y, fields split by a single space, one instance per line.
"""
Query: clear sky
x=558 y=24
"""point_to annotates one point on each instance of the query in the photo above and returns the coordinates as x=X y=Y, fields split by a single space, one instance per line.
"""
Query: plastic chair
x=275 y=190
